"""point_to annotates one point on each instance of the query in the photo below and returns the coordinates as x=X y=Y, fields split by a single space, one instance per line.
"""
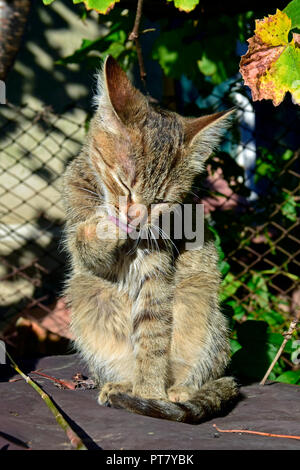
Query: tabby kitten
x=145 y=313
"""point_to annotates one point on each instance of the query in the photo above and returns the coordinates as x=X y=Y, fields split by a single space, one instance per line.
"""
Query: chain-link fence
x=257 y=222
x=272 y=247
x=35 y=147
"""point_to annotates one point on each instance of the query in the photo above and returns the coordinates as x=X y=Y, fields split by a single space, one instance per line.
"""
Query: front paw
x=111 y=388
x=180 y=393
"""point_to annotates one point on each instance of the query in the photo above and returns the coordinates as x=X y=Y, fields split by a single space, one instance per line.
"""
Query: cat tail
x=214 y=398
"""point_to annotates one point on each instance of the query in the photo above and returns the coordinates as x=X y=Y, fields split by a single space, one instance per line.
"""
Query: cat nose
x=135 y=213
x=128 y=213
x=132 y=213
x=133 y=216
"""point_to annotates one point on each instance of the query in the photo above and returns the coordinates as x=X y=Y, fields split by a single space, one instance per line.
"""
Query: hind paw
x=111 y=388
x=179 y=393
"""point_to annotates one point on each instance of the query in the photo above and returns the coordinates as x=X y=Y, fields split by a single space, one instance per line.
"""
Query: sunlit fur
x=145 y=313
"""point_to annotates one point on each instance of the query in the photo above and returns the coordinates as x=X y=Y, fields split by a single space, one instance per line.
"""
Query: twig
x=151 y=30
x=245 y=431
x=289 y=363
x=64 y=383
x=288 y=336
x=134 y=36
x=75 y=440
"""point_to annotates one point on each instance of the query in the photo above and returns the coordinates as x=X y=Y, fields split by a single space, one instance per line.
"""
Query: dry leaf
x=271 y=66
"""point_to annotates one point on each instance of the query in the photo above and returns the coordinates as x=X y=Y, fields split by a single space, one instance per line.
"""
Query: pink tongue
x=120 y=224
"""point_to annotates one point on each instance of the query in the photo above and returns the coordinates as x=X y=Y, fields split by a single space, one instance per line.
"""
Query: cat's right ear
x=116 y=97
x=202 y=135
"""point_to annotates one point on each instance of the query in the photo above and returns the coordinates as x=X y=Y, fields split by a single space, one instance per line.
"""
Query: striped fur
x=145 y=316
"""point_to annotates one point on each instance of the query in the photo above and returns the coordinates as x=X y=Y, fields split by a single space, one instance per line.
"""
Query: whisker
x=156 y=244
x=165 y=237
x=88 y=190
x=134 y=247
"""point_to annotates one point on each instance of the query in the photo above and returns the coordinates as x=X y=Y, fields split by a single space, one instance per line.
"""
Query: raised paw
x=111 y=388
x=180 y=393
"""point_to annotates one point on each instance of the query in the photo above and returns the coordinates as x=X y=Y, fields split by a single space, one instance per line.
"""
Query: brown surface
x=274 y=408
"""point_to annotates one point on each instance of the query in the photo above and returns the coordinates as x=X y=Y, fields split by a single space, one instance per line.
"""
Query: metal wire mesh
x=272 y=247
x=35 y=148
x=37 y=145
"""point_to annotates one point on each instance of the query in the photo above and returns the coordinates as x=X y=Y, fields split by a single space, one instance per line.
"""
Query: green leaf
x=262 y=298
x=264 y=169
x=207 y=66
x=295 y=349
x=287 y=155
x=47 y=2
x=289 y=208
x=101 y=6
x=224 y=267
x=284 y=75
x=257 y=284
x=209 y=60
x=185 y=5
x=293 y=12
x=235 y=345
x=170 y=46
x=229 y=287
x=289 y=377
x=217 y=242
x=239 y=310
x=292 y=276
x=277 y=339
x=112 y=43
x=272 y=317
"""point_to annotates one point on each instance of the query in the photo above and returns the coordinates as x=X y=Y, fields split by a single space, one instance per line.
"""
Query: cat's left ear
x=117 y=96
x=203 y=134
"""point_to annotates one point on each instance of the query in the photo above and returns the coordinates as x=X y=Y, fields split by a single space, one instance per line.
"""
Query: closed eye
x=160 y=201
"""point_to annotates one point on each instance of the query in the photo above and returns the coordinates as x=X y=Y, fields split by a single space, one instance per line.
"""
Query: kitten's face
x=144 y=157
x=147 y=165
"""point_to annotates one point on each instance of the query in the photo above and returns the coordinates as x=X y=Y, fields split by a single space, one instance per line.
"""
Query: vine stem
x=288 y=336
x=259 y=433
x=135 y=36
x=75 y=440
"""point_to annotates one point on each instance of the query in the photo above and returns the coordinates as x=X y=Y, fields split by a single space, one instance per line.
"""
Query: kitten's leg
x=94 y=244
x=101 y=326
x=152 y=327
x=200 y=345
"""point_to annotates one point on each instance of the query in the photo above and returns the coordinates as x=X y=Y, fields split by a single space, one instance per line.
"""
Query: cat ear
x=117 y=94
x=204 y=134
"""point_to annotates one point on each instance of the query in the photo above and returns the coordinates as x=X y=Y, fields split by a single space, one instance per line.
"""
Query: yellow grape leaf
x=274 y=30
x=271 y=66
